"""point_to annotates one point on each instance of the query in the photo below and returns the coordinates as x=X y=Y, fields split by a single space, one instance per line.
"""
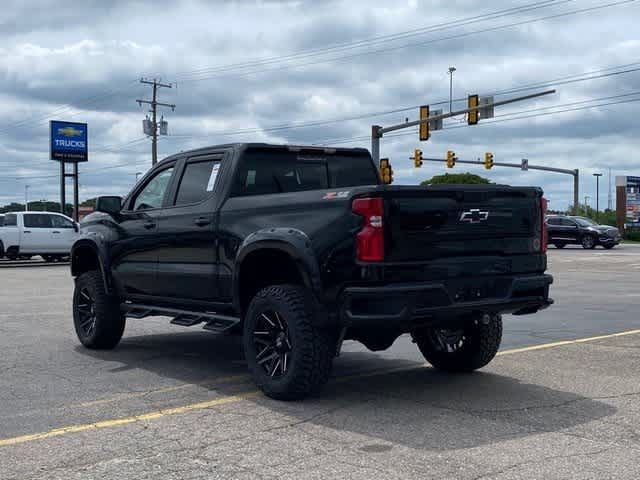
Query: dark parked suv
x=564 y=230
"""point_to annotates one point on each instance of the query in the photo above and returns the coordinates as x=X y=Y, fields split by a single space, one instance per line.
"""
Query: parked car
x=47 y=234
x=299 y=248
x=564 y=230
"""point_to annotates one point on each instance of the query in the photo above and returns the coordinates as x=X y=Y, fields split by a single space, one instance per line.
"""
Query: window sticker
x=214 y=175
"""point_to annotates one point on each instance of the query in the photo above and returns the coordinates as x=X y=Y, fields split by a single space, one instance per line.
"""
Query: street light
x=451 y=70
x=597 y=175
x=586 y=201
x=26 y=198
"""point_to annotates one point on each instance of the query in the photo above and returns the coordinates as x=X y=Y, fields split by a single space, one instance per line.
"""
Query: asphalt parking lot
x=560 y=401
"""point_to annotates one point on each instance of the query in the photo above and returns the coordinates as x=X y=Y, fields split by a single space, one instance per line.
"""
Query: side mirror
x=76 y=227
x=109 y=204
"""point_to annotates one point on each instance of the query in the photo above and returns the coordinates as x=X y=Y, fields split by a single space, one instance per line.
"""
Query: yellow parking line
x=237 y=398
x=568 y=342
x=126 y=420
x=129 y=396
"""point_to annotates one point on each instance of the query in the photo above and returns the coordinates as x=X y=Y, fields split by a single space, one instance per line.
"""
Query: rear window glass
x=263 y=172
x=36 y=220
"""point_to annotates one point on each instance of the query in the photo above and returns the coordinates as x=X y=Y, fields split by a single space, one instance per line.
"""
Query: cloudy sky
x=321 y=72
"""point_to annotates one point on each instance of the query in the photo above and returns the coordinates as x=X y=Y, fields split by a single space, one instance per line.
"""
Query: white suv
x=47 y=234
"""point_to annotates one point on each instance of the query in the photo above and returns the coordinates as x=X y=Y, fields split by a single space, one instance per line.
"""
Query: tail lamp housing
x=370 y=239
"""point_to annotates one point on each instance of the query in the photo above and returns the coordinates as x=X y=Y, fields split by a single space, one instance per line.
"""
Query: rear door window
x=197 y=181
x=37 y=220
x=10 y=220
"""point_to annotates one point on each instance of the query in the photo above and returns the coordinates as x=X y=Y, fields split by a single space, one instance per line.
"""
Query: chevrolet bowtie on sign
x=68 y=141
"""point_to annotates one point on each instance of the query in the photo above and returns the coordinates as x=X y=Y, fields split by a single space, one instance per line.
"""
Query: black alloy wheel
x=287 y=353
x=97 y=318
x=272 y=343
x=86 y=307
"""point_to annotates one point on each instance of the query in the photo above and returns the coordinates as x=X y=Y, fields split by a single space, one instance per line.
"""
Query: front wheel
x=97 y=318
x=588 y=242
x=464 y=349
x=289 y=357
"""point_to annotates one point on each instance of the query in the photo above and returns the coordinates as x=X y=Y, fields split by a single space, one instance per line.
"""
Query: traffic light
x=417 y=158
x=386 y=172
x=488 y=160
x=451 y=159
x=424 y=126
x=474 y=115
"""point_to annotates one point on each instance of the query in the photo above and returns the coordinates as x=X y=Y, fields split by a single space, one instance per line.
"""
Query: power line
x=373 y=40
x=427 y=42
x=293 y=125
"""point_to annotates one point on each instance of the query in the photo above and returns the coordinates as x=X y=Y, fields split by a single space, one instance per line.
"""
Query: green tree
x=456 y=178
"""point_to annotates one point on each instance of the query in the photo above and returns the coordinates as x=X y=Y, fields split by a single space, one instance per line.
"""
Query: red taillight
x=545 y=234
x=370 y=240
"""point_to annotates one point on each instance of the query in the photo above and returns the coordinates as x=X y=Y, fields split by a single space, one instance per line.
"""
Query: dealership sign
x=631 y=189
x=68 y=141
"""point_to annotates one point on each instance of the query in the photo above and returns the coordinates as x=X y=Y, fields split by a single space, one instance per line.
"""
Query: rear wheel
x=588 y=242
x=289 y=357
x=463 y=349
x=97 y=318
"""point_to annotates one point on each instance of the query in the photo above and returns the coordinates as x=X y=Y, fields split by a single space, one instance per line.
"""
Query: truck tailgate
x=446 y=221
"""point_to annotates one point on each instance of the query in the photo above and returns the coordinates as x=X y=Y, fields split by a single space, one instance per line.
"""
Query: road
x=174 y=402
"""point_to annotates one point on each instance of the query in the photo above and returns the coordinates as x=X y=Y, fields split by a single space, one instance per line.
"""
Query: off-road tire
x=480 y=344
x=109 y=323
x=311 y=348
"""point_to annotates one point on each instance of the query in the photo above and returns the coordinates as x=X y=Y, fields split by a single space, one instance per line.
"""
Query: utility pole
x=26 y=198
x=152 y=131
x=597 y=175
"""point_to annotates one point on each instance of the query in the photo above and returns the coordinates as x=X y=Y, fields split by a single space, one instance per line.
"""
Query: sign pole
x=62 y=187
x=75 y=192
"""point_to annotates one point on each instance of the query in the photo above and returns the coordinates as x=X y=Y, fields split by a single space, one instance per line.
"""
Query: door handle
x=55 y=231
x=149 y=225
x=202 y=221
x=26 y=231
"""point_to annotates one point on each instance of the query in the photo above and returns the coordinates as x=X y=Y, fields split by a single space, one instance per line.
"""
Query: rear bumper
x=401 y=305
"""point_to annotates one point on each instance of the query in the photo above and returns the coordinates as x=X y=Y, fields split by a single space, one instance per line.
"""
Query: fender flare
x=94 y=245
x=295 y=243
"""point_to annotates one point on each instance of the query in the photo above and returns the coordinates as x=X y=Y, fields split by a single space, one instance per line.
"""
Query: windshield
x=585 y=222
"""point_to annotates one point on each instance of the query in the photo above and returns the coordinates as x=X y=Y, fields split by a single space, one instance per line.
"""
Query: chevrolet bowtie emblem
x=475 y=215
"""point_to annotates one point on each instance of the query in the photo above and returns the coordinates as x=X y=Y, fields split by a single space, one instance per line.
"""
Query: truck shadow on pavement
x=388 y=402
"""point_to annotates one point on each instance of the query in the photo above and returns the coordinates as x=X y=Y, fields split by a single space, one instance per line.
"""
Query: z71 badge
x=330 y=195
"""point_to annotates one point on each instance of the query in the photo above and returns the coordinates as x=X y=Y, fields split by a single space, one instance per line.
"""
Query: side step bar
x=213 y=322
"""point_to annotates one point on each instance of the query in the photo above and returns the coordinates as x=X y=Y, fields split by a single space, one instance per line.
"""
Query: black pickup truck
x=299 y=248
